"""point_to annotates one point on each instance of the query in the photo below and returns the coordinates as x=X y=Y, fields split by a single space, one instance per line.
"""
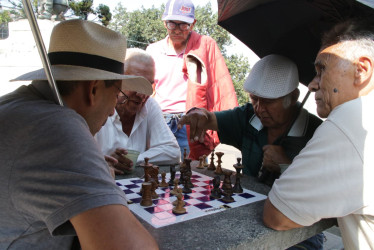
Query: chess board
x=198 y=203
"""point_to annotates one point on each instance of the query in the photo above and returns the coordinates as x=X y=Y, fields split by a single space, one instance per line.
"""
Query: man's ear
x=193 y=24
x=295 y=95
x=92 y=91
x=363 y=71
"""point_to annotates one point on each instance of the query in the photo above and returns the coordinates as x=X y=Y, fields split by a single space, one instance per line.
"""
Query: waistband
x=172 y=115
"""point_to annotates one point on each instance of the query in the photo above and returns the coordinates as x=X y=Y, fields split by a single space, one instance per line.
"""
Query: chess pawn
x=146 y=195
x=201 y=163
x=175 y=189
x=179 y=209
x=163 y=181
x=172 y=175
x=211 y=165
x=237 y=189
x=176 y=201
x=219 y=161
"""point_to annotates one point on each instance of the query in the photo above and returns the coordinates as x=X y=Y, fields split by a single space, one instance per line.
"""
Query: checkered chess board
x=198 y=203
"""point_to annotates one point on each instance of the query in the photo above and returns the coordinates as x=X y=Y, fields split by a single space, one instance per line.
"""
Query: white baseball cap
x=272 y=77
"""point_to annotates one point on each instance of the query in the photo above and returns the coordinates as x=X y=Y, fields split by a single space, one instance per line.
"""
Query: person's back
x=56 y=184
x=36 y=135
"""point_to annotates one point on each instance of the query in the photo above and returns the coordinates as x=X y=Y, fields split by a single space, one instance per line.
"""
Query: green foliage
x=18 y=10
x=239 y=69
x=82 y=8
x=144 y=26
x=141 y=27
x=104 y=14
x=5 y=16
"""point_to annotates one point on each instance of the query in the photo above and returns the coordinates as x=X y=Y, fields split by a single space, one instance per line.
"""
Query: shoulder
x=156 y=46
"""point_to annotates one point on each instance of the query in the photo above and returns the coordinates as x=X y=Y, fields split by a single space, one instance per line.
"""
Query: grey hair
x=137 y=55
x=287 y=100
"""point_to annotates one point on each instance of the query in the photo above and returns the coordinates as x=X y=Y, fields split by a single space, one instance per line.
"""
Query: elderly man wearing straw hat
x=55 y=182
x=271 y=130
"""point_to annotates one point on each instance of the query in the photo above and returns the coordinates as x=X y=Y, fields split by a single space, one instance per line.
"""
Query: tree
x=103 y=12
x=81 y=8
x=144 y=26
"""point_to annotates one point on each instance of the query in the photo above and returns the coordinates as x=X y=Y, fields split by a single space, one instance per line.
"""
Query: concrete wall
x=19 y=54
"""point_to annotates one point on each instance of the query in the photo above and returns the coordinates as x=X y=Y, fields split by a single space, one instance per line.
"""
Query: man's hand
x=199 y=120
x=111 y=161
x=273 y=156
x=123 y=163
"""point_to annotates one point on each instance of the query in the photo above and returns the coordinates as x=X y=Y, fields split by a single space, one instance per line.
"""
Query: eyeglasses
x=182 y=26
x=121 y=99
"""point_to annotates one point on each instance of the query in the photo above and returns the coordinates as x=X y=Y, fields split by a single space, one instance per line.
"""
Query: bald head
x=138 y=62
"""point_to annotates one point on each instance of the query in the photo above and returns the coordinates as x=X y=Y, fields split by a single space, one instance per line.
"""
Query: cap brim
x=178 y=18
x=78 y=73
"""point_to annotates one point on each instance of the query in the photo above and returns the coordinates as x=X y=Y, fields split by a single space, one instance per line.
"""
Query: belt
x=172 y=115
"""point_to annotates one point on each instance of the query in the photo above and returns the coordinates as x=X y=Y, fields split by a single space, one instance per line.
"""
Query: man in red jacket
x=190 y=72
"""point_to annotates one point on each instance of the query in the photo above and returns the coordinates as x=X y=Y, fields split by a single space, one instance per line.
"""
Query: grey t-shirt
x=50 y=170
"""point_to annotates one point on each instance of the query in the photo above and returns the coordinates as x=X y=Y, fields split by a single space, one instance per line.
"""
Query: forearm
x=275 y=219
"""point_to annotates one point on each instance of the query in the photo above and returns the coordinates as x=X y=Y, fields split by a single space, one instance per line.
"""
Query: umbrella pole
x=42 y=51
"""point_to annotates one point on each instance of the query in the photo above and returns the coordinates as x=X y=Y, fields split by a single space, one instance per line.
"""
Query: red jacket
x=209 y=85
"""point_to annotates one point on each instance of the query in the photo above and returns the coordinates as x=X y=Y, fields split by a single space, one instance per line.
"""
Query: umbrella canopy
x=292 y=28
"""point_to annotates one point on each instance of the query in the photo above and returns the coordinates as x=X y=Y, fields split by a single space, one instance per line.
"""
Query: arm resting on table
x=275 y=219
x=111 y=227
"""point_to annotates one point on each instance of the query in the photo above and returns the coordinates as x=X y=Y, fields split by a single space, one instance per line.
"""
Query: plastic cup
x=133 y=156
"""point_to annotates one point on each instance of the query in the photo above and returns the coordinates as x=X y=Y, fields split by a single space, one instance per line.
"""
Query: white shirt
x=333 y=176
x=150 y=135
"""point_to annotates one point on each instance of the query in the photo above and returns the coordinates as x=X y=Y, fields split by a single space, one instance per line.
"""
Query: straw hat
x=82 y=50
x=272 y=77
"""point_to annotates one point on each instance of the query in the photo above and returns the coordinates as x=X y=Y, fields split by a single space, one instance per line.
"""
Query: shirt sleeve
x=232 y=124
x=325 y=180
x=162 y=147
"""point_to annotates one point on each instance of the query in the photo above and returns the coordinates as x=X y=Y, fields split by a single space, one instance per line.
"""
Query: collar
x=298 y=128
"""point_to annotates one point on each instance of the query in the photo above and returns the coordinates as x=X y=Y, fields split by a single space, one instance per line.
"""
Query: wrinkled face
x=271 y=112
x=105 y=105
x=332 y=72
x=136 y=101
x=177 y=35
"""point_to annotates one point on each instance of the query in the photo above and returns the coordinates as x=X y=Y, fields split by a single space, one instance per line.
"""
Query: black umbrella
x=292 y=28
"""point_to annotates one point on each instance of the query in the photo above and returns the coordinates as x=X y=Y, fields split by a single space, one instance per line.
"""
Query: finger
x=120 y=151
x=110 y=160
x=182 y=121
x=202 y=137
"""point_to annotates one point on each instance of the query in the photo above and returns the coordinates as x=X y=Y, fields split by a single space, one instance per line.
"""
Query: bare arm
x=199 y=120
x=275 y=219
x=111 y=227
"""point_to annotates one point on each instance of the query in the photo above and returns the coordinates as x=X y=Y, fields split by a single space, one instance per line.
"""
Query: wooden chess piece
x=186 y=188
x=179 y=209
x=205 y=163
x=216 y=191
x=146 y=166
x=163 y=181
x=237 y=189
x=176 y=201
x=154 y=186
x=153 y=172
x=201 y=164
x=172 y=175
x=211 y=165
x=219 y=161
x=227 y=187
x=146 y=200
x=182 y=170
x=188 y=172
x=175 y=189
